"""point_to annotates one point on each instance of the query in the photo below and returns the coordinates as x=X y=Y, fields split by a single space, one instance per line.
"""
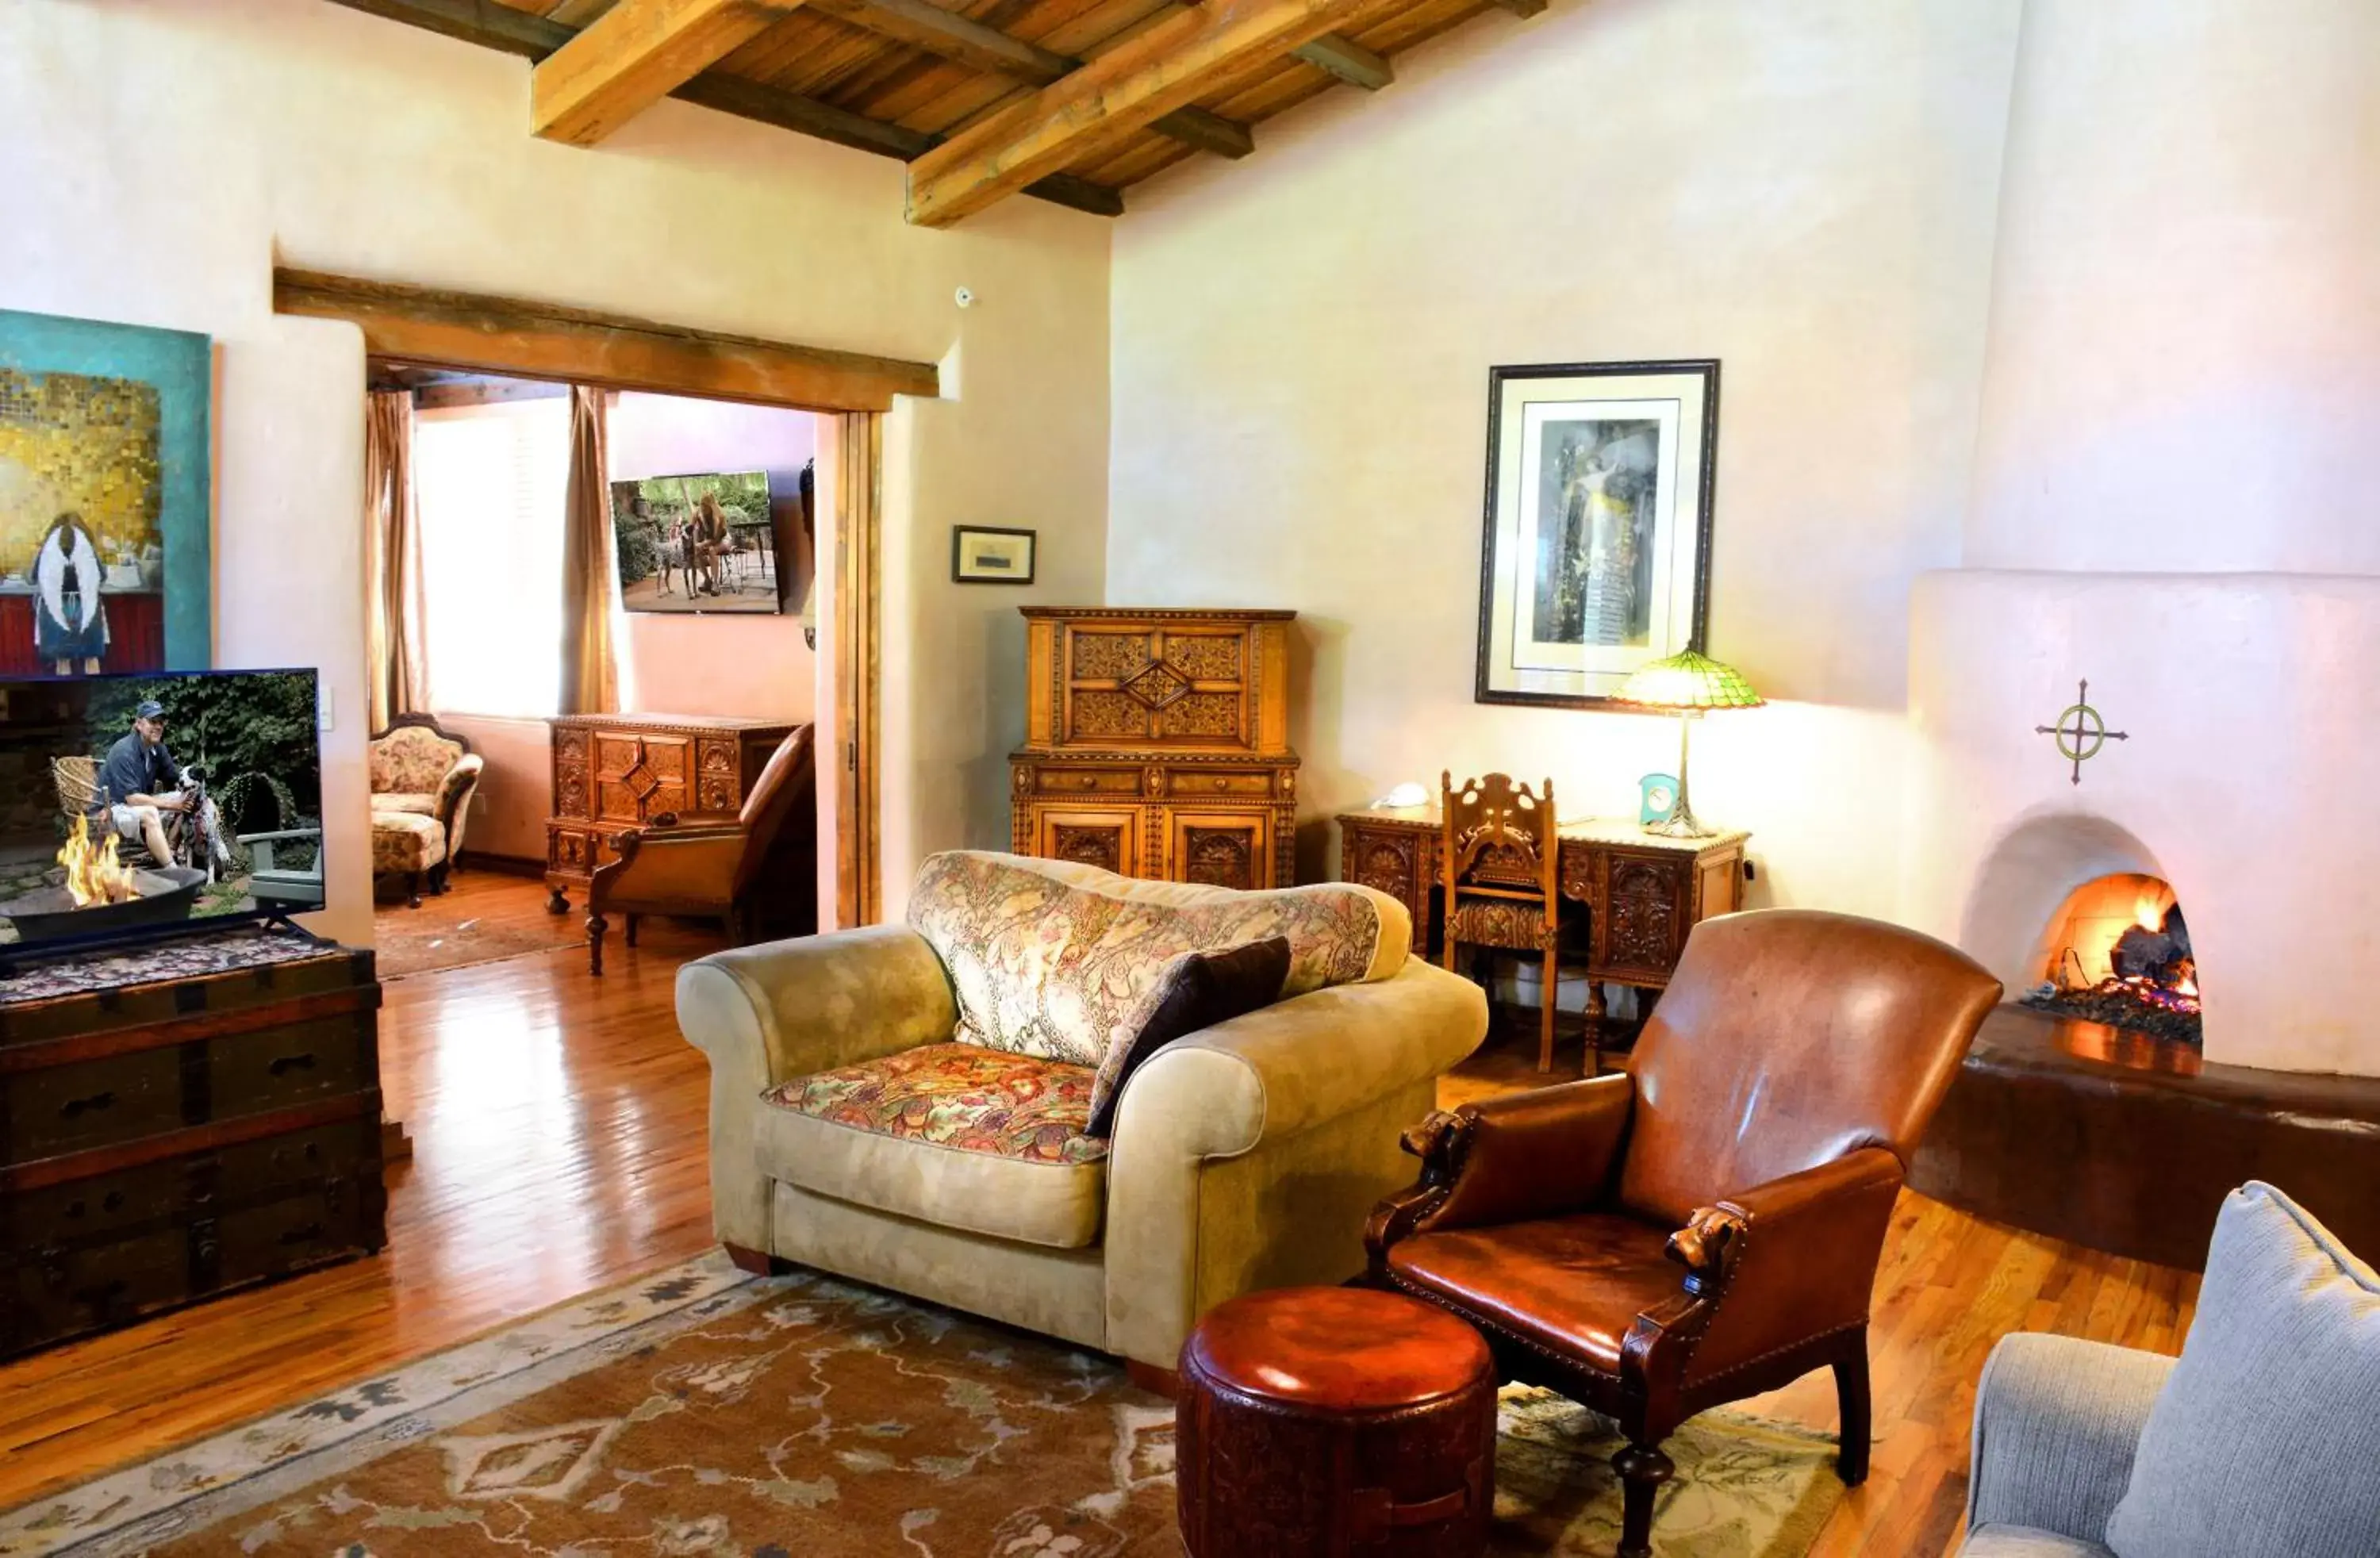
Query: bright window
x=491 y=482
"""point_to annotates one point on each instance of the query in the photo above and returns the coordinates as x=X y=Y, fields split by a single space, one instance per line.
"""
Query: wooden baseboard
x=1150 y=1378
x=502 y=865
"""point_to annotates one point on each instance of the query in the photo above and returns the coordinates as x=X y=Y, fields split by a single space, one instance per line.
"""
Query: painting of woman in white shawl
x=69 y=618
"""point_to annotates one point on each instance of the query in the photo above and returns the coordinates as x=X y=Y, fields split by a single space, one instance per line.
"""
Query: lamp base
x=1680 y=823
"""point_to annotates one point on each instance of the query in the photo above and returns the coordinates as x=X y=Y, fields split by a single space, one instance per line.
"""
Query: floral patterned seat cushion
x=1065 y=962
x=422 y=801
x=405 y=841
x=960 y=1096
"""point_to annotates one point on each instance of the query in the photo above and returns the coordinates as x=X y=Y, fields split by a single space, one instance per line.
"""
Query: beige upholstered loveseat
x=851 y=1131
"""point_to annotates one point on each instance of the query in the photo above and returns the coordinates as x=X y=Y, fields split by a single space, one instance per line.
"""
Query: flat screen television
x=140 y=806
x=692 y=544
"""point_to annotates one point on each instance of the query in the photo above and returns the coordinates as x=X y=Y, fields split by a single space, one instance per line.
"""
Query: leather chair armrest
x=668 y=865
x=1507 y=1159
x=1782 y=1264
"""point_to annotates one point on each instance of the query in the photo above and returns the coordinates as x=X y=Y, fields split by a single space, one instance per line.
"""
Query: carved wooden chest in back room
x=182 y=1120
x=1157 y=743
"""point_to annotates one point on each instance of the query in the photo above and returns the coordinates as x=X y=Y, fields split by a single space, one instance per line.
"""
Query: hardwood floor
x=558 y=1124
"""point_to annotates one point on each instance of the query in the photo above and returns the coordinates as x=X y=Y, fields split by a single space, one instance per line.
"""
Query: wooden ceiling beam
x=520 y=339
x=948 y=35
x=1107 y=101
x=1350 y=61
x=634 y=54
x=494 y=26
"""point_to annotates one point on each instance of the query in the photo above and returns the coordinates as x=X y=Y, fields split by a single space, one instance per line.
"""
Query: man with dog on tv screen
x=139 y=783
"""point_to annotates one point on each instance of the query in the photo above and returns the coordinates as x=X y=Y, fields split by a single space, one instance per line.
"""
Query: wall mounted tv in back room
x=140 y=806
x=694 y=544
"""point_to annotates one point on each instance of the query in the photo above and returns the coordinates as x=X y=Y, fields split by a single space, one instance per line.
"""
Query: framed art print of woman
x=1595 y=554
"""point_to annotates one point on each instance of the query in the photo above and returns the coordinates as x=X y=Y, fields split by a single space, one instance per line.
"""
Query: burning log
x=2160 y=951
x=2153 y=985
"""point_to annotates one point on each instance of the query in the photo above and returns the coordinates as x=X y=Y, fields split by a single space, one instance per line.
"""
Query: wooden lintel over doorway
x=550 y=341
x=428 y=327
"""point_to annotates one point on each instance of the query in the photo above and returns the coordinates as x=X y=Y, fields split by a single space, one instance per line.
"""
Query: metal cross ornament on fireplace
x=2080 y=731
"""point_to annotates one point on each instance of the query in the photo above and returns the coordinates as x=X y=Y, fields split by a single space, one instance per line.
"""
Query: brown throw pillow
x=1200 y=990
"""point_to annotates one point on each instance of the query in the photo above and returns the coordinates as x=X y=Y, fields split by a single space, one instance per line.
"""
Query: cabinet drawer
x=1109 y=840
x=84 y=1210
x=62 y=1294
x=93 y=1102
x=576 y=851
x=1220 y=848
x=1192 y=783
x=1086 y=781
x=104 y=1205
x=320 y=1224
x=250 y=1073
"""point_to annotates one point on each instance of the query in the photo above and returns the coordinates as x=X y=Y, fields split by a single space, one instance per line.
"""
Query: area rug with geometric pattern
x=705 y=1413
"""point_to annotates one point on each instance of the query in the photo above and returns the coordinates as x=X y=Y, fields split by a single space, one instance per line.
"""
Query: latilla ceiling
x=1070 y=101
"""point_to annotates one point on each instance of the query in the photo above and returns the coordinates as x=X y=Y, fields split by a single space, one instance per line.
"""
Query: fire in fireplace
x=2119 y=953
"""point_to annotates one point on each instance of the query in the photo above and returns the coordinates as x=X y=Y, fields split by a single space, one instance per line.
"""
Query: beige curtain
x=399 y=670
x=589 y=673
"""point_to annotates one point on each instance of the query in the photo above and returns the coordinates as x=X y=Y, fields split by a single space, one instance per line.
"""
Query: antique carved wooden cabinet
x=612 y=772
x=1157 y=743
x=179 y=1121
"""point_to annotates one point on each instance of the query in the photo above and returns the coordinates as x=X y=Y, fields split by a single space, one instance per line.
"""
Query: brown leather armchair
x=758 y=875
x=1757 y=1141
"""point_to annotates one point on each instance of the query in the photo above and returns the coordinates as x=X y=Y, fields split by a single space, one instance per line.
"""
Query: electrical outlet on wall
x=325 y=711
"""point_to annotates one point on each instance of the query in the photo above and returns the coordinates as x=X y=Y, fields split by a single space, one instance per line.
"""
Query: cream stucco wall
x=157 y=156
x=1302 y=344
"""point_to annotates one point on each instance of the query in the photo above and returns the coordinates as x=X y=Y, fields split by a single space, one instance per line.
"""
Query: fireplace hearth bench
x=2129 y=1144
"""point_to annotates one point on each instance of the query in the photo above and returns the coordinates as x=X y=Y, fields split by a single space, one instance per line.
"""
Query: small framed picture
x=983 y=554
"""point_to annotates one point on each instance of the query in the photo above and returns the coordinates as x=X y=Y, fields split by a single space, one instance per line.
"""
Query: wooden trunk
x=614 y=772
x=1156 y=745
x=204 y=1118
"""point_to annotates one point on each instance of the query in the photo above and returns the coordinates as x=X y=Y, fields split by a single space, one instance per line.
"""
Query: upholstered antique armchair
x=757 y=875
x=1707 y=1226
x=423 y=778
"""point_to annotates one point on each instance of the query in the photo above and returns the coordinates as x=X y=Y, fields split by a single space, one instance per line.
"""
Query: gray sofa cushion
x=2265 y=1438
x=2026 y=1541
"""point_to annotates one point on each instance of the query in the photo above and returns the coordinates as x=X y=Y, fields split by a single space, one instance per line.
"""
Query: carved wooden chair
x=1498 y=858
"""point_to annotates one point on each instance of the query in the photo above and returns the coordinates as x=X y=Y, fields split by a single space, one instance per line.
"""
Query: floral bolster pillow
x=1063 y=961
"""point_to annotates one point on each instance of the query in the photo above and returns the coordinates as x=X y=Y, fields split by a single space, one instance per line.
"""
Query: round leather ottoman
x=1319 y=1422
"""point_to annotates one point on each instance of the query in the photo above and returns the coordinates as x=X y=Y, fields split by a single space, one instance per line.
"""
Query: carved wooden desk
x=1642 y=892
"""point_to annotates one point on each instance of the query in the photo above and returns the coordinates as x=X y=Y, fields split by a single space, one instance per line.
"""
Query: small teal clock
x=1656 y=797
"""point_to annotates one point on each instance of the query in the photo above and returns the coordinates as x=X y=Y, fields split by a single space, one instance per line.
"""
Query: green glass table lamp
x=1689 y=682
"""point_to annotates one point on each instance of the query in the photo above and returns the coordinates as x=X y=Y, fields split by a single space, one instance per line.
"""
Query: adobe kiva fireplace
x=2172 y=500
